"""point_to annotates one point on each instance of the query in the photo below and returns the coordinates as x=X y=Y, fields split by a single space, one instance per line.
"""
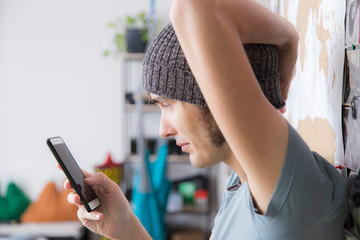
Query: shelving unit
x=177 y=165
x=193 y=209
x=171 y=159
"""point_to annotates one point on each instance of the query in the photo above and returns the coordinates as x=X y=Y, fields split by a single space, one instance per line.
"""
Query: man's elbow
x=178 y=10
x=186 y=9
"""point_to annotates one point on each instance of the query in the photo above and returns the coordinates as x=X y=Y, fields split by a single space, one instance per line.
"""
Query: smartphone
x=73 y=173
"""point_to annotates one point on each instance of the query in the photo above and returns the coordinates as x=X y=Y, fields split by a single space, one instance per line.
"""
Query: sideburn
x=215 y=135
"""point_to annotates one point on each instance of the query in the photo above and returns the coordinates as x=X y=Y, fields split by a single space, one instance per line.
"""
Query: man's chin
x=199 y=162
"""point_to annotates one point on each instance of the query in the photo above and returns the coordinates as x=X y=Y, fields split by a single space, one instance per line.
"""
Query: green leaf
x=119 y=26
x=144 y=35
x=130 y=21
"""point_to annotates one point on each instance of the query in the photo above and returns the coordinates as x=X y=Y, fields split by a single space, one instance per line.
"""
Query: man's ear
x=148 y=98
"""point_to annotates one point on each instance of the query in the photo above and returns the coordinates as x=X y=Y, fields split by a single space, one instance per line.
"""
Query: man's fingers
x=86 y=173
x=84 y=215
x=99 y=179
x=73 y=198
x=67 y=185
x=282 y=110
x=96 y=179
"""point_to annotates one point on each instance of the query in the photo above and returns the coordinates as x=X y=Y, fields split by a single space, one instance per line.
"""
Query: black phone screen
x=73 y=169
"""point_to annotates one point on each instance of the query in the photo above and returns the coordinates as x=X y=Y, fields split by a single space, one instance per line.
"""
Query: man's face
x=194 y=130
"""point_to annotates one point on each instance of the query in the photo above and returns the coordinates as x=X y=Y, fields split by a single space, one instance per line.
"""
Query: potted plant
x=131 y=35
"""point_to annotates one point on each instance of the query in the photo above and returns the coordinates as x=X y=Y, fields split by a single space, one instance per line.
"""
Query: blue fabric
x=150 y=206
x=309 y=202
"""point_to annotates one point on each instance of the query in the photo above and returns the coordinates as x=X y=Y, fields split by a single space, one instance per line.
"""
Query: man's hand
x=114 y=218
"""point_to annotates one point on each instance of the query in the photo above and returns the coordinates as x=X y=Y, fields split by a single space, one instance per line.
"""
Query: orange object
x=113 y=170
x=51 y=206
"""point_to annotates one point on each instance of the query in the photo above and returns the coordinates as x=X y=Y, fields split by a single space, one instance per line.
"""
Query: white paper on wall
x=315 y=97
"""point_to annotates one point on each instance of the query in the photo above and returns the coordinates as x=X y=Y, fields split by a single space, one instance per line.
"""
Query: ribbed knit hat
x=166 y=72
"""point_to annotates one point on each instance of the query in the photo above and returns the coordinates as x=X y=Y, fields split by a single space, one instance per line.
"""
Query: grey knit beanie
x=167 y=74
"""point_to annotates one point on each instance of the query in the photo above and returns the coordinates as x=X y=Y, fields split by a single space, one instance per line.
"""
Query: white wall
x=54 y=81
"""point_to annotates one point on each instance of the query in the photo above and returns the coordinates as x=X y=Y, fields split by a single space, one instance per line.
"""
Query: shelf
x=48 y=229
x=133 y=56
x=174 y=159
x=145 y=108
x=192 y=209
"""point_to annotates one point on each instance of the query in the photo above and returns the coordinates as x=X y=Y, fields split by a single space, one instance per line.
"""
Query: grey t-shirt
x=309 y=201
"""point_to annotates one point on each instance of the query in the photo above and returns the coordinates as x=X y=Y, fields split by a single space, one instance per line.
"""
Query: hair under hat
x=166 y=72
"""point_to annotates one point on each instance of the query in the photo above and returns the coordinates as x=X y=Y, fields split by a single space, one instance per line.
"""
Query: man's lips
x=184 y=146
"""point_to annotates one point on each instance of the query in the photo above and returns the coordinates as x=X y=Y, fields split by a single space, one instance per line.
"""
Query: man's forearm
x=257 y=24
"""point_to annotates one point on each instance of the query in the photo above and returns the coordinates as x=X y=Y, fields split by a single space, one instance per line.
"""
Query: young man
x=279 y=189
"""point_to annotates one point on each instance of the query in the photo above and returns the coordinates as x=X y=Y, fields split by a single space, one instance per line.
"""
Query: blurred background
x=54 y=81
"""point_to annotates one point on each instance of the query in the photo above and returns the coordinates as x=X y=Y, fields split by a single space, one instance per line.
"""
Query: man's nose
x=166 y=129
